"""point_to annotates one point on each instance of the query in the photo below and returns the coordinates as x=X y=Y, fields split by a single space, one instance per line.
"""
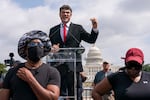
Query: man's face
x=65 y=15
x=106 y=66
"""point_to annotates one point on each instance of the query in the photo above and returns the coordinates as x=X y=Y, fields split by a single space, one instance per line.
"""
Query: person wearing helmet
x=130 y=84
x=32 y=80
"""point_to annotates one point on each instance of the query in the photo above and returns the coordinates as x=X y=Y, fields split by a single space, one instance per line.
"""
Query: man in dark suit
x=69 y=35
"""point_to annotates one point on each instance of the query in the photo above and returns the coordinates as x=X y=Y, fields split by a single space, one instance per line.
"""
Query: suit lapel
x=69 y=31
x=59 y=34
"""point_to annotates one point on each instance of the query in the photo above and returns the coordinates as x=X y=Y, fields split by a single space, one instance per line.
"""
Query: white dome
x=94 y=56
x=94 y=52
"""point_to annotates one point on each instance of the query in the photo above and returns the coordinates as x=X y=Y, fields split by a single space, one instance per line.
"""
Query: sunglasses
x=135 y=65
x=34 y=44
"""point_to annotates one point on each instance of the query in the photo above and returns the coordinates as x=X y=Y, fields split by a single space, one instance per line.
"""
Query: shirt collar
x=67 y=24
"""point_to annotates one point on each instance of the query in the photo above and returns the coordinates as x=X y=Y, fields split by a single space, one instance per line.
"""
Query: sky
x=122 y=24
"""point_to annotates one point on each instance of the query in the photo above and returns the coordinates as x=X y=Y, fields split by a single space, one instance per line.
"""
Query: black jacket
x=76 y=34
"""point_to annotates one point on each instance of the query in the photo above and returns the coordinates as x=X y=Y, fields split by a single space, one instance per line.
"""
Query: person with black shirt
x=129 y=84
x=32 y=80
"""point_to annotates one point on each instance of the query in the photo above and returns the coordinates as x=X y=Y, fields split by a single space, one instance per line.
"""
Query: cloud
x=135 y=6
x=122 y=24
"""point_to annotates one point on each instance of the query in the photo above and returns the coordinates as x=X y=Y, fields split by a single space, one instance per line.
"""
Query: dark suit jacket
x=75 y=35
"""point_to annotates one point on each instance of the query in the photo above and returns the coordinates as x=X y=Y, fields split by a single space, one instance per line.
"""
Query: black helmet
x=27 y=37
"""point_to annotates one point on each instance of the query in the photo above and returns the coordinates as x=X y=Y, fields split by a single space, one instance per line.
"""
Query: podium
x=66 y=55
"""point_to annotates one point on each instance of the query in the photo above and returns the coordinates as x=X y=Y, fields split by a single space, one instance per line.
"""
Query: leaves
x=2 y=68
x=146 y=67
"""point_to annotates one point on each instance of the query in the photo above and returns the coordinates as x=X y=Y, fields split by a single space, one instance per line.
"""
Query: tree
x=2 y=68
x=146 y=67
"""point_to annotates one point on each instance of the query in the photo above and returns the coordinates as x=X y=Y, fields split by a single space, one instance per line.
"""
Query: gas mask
x=35 y=51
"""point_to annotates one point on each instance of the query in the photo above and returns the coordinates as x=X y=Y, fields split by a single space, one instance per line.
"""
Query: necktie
x=65 y=32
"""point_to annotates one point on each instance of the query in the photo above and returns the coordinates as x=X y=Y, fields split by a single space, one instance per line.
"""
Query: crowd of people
x=37 y=80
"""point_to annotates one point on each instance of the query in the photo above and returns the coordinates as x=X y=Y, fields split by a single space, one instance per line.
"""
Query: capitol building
x=93 y=64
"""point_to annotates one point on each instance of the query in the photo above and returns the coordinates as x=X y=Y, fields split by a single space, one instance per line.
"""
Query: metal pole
x=75 y=77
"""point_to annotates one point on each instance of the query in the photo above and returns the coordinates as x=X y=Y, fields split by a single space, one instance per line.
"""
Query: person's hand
x=55 y=48
x=94 y=22
x=83 y=76
x=25 y=74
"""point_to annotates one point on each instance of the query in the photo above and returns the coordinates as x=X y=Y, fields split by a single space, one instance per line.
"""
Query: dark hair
x=105 y=62
x=66 y=7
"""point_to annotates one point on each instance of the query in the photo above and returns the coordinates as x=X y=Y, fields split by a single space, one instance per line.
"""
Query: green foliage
x=146 y=67
x=2 y=68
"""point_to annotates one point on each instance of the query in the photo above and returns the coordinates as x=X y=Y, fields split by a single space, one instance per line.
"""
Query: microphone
x=82 y=49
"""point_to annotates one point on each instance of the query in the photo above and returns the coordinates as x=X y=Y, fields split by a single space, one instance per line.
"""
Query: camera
x=10 y=62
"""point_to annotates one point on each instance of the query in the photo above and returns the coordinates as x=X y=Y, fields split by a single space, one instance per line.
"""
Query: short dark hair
x=66 y=7
x=105 y=62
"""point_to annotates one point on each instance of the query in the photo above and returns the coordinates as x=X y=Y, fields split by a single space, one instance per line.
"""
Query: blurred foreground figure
x=130 y=84
x=32 y=80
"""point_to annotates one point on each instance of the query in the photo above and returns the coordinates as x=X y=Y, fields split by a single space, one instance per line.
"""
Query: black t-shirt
x=20 y=90
x=125 y=89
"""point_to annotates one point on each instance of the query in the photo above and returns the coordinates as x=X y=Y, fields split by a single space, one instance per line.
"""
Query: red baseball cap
x=134 y=54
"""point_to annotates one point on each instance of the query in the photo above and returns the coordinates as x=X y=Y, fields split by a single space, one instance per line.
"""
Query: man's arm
x=4 y=94
x=50 y=93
